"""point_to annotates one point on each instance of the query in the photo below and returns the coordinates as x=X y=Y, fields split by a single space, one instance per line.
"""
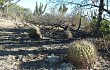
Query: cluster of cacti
x=35 y=33
x=40 y=10
x=83 y=54
x=63 y=9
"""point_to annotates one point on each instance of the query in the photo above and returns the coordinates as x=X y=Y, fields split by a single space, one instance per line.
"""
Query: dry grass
x=9 y=23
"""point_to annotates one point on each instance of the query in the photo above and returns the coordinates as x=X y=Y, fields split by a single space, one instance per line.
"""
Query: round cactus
x=35 y=33
x=67 y=34
x=82 y=53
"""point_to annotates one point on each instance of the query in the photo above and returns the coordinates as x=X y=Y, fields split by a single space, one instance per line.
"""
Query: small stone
x=52 y=58
x=67 y=66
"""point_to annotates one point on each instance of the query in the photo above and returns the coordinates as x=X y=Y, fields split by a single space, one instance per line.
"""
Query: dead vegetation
x=32 y=54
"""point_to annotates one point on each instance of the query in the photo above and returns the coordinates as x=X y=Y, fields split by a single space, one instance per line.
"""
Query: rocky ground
x=19 y=52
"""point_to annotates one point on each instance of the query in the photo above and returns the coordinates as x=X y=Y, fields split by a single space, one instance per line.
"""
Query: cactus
x=63 y=9
x=40 y=10
x=67 y=34
x=35 y=33
x=83 y=54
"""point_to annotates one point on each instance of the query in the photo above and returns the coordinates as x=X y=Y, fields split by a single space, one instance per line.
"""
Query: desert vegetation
x=58 y=35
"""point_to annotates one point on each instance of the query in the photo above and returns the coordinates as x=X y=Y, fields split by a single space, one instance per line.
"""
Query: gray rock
x=52 y=58
x=67 y=66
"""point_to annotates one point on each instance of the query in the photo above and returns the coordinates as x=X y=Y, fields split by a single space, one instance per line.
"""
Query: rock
x=67 y=66
x=52 y=59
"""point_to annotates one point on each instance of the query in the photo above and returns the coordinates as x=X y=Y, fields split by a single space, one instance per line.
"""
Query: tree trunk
x=79 y=23
x=101 y=6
